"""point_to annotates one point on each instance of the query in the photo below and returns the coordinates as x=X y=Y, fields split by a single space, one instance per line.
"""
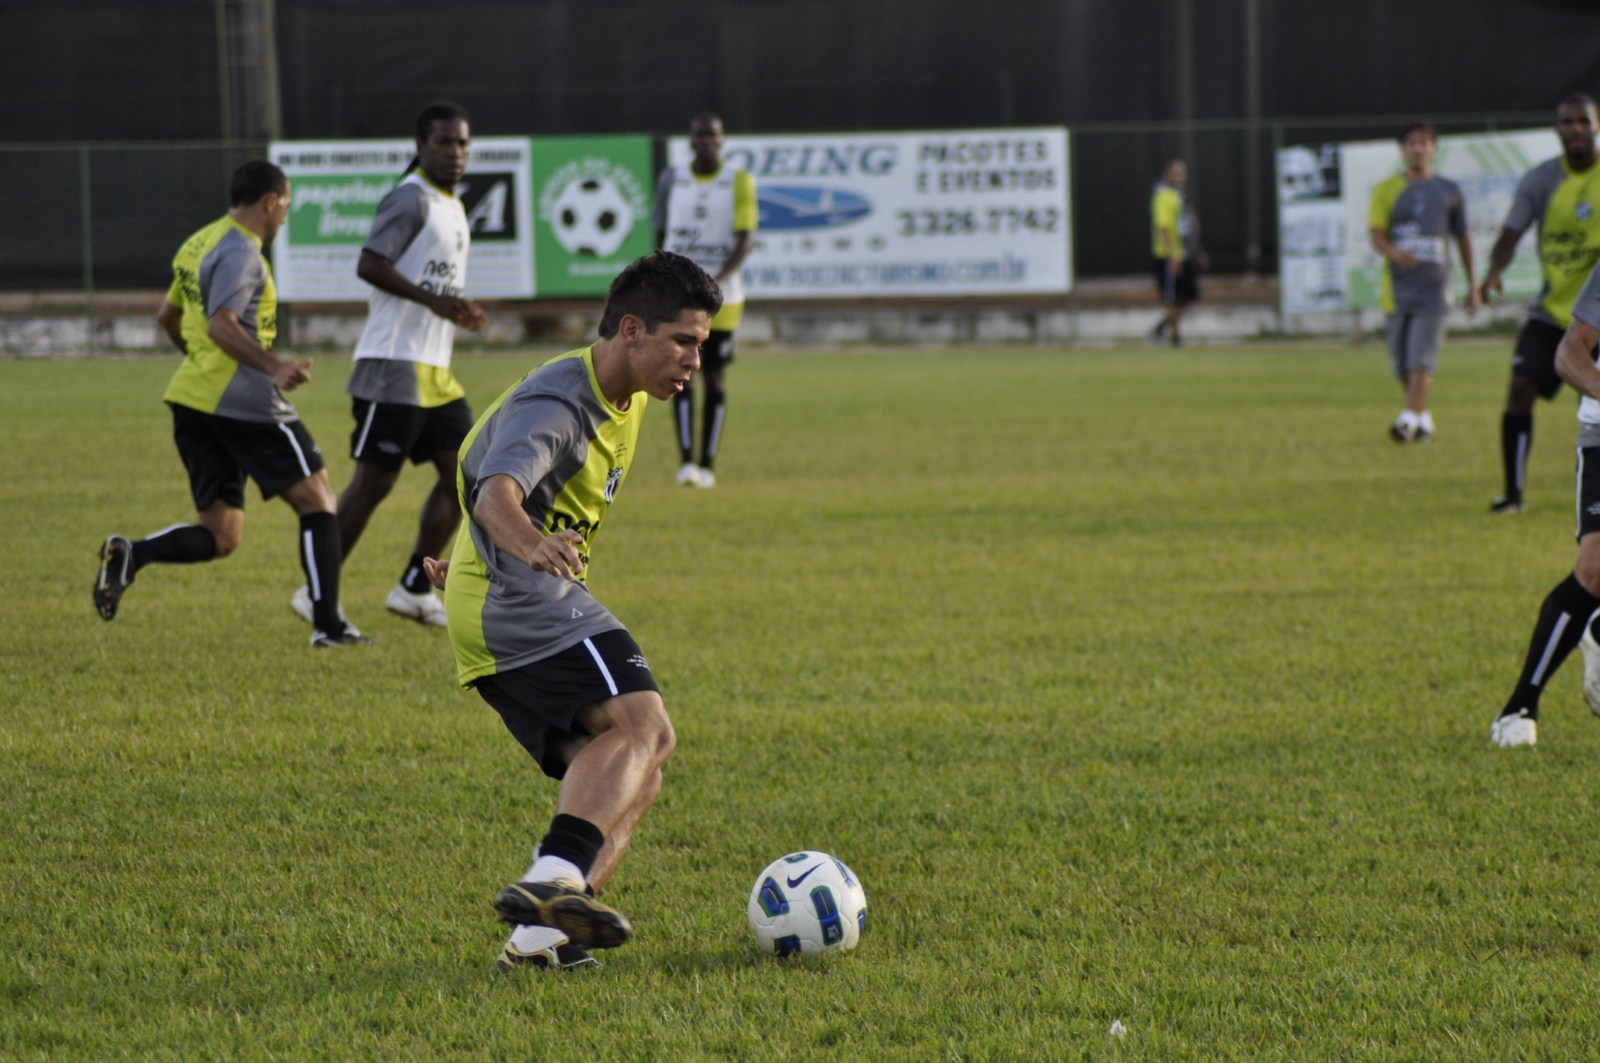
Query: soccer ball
x=591 y=216
x=806 y=904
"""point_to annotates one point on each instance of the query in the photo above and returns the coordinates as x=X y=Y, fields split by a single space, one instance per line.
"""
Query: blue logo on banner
x=809 y=207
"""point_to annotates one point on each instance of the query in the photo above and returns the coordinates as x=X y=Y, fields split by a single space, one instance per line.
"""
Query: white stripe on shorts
x=366 y=426
x=611 y=684
x=299 y=454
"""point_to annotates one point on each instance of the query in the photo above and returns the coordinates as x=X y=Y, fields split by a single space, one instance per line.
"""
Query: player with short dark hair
x=1562 y=198
x=1567 y=616
x=537 y=476
x=406 y=402
x=1411 y=218
x=230 y=417
x=707 y=211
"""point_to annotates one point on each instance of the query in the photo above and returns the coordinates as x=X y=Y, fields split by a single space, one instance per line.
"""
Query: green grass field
x=1136 y=685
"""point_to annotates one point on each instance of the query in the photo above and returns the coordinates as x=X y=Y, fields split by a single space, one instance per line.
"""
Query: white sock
x=1425 y=421
x=1407 y=419
x=536 y=938
x=553 y=868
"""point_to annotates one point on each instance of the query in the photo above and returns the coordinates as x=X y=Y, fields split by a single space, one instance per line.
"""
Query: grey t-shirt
x=1425 y=215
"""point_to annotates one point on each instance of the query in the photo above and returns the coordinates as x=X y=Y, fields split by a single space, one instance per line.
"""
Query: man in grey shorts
x=1410 y=219
x=1567 y=615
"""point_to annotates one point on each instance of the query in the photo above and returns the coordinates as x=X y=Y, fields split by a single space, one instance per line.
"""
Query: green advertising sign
x=592 y=202
x=335 y=209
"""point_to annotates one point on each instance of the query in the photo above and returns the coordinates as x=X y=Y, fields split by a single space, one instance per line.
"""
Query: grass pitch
x=1138 y=686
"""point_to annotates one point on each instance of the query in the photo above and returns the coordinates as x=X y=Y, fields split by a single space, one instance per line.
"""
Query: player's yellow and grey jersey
x=701 y=215
x=222 y=266
x=1586 y=308
x=1419 y=217
x=555 y=434
x=1566 y=207
x=403 y=355
x=1170 y=211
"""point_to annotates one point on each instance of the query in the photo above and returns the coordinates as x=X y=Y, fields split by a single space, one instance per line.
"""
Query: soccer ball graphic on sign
x=807 y=904
x=591 y=216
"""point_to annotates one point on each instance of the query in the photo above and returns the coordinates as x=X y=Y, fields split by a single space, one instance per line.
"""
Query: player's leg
x=1564 y=619
x=683 y=421
x=442 y=431
x=591 y=716
x=286 y=462
x=1533 y=374
x=1396 y=335
x=216 y=483
x=369 y=485
x=1426 y=336
x=715 y=356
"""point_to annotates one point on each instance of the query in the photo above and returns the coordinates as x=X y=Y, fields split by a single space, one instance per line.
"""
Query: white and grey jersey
x=1424 y=216
x=424 y=232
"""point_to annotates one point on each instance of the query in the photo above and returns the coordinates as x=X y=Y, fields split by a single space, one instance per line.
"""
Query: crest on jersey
x=1585 y=211
x=613 y=480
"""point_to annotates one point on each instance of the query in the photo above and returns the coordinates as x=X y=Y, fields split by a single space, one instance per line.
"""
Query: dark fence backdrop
x=1221 y=81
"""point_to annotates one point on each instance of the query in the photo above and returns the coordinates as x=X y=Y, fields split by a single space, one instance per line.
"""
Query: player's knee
x=227 y=539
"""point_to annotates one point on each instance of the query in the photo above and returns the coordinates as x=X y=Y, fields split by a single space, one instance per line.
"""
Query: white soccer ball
x=806 y=904
x=591 y=216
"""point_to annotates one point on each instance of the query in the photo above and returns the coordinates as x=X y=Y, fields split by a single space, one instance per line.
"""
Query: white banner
x=879 y=214
x=336 y=186
x=1326 y=261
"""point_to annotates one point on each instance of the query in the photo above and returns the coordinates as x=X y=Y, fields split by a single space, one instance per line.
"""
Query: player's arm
x=229 y=333
x=742 y=244
x=1575 y=358
x=1500 y=256
x=170 y=318
x=498 y=511
x=1398 y=255
x=1464 y=247
x=381 y=274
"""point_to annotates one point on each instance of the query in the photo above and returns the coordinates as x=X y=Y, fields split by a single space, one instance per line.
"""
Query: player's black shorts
x=1588 y=490
x=387 y=433
x=1534 y=356
x=716 y=352
x=220 y=452
x=539 y=702
x=1179 y=289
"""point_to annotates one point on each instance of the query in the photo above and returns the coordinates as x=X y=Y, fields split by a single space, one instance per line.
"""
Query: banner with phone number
x=962 y=212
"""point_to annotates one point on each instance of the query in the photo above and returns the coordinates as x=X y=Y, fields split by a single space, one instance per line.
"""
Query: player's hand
x=292 y=373
x=1489 y=290
x=558 y=554
x=463 y=313
x=1403 y=259
x=436 y=571
x=1474 y=300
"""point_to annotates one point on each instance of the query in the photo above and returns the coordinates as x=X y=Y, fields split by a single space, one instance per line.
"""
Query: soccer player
x=1562 y=197
x=1175 y=243
x=537 y=475
x=229 y=415
x=406 y=402
x=707 y=212
x=1567 y=617
x=1410 y=218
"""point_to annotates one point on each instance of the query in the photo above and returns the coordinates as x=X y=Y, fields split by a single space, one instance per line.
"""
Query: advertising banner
x=336 y=187
x=593 y=197
x=964 y=212
x=1326 y=258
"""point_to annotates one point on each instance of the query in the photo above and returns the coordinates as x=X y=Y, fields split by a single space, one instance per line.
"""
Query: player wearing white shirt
x=706 y=211
x=406 y=402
